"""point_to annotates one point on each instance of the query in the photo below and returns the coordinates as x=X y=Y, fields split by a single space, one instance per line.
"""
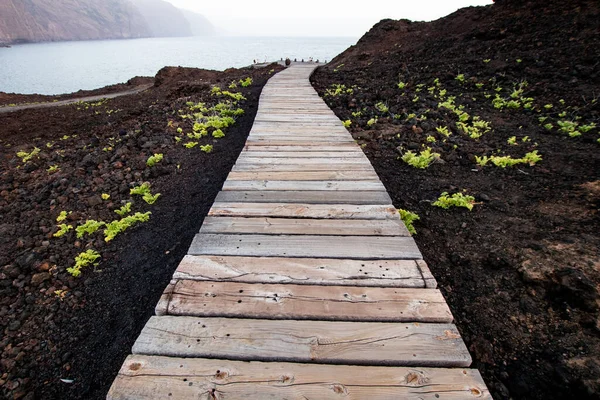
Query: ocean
x=64 y=67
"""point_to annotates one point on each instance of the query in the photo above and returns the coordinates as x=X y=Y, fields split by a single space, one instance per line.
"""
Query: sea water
x=64 y=67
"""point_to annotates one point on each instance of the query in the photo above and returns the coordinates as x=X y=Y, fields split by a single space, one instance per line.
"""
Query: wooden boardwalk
x=302 y=283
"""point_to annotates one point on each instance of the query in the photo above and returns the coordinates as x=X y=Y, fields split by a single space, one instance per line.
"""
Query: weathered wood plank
x=302 y=167
x=306 y=302
x=303 y=154
x=291 y=137
x=293 y=210
x=329 y=146
x=295 y=226
x=355 y=247
x=302 y=176
x=357 y=186
x=307 y=148
x=430 y=281
x=358 y=343
x=305 y=197
x=153 y=377
x=300 y=271
x=245 y=159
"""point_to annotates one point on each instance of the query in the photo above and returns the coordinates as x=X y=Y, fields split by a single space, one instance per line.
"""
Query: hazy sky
x=316 y=17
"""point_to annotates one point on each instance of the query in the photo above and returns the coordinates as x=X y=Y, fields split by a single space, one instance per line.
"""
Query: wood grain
x=304 y=197
x=295 y=226
x=354 y=186
x=289 y=301
x=358 y=343
x=298 y=210
x=153 y=377
x=301 y=271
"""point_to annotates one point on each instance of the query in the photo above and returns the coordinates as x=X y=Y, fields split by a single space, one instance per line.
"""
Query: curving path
x=8 y=109
x=302 y=282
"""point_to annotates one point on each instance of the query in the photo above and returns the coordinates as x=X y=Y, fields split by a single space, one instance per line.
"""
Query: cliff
x=23 y=21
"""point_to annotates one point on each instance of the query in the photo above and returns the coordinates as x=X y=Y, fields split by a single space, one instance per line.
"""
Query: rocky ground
x=65 y=337
x=521 y=271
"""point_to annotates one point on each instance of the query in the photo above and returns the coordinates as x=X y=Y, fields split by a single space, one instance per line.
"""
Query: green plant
x=232 y=85
x=460 y=78
x=62 y=229
x=25 y=156
x=408 y=218
x=152 y=160
x=372 y=121
x=357 y=114
x=62 y=216
x=144 y=191
x=423 y=160
x=189 y=145
x=115 y=227
x=83 y=260
x=246 y=82
x=208 y=148
x=479 y=85
x=549 y=126
x=512 y=141
x=52 y=169
x=443 y=130
x=482 y=161
x=401 y=85
x=217 y=133
x=455 y=200
x=430 y=139
x=487 y=60
x=382 y=107
x=90 y=227
x=105 y=196
x=347 y=123
x=337 y=89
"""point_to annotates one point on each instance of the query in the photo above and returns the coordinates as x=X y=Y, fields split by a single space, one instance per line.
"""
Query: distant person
x=295 y=60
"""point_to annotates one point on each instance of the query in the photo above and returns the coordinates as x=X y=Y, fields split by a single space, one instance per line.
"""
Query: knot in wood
x=135 y=366
x=416 y=378
x=339 y=389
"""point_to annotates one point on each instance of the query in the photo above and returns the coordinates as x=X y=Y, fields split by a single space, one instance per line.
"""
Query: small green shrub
x=218 y=134
x=152 y=160
x=62 y=229
x=408 y=218
x=443 y=130
x=113 y=228
x=124 y=210
x=89 y=227
x=246 y=82
x=208 y=148
x=347 y=123
x=455 y=200
x=83 y=260
x=423 y=160
x=25 y=156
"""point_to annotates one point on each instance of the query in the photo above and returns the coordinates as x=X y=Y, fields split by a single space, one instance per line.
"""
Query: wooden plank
x=300 y=271
x=246 y=159
x=289 y=301
x=301 y=167
x=298 y=138
x=356 y=186
x=312 y=246
x=430 y=281
x=304 y=148
x=298 y=210
x=302 y=176
x=305 y=197
x=152 y=377
x=295 y=226
x=358 y=343
x=275 y=143
x=303 y=154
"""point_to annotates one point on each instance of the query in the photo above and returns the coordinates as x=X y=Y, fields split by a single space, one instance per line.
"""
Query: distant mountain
x=199 y=24
x=163 y=18
x=23 y=21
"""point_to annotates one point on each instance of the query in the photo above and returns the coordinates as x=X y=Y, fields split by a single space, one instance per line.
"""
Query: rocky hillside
x=23 y=21
x=497 y=106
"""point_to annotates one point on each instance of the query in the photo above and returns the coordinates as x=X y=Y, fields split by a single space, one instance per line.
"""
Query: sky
x=316 y=17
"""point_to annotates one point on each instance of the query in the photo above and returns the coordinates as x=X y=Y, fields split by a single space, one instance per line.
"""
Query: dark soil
x=56 y=327
x=521 y=272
